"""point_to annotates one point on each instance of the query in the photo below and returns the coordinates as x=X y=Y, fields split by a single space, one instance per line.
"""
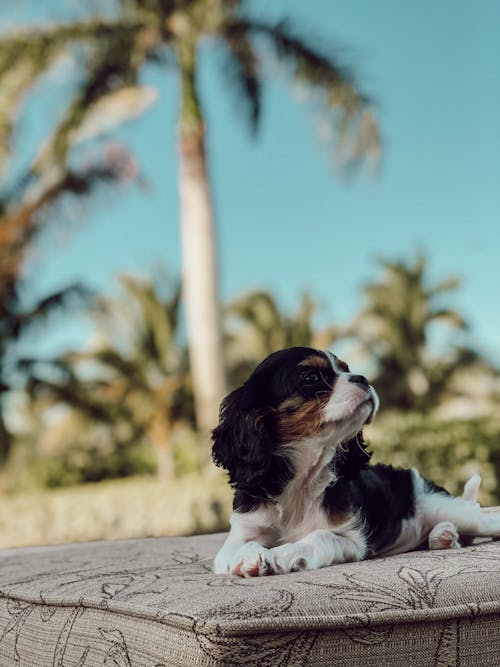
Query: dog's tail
x=471 y=488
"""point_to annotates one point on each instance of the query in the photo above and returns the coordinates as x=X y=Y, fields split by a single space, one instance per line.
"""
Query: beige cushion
x=156 y=602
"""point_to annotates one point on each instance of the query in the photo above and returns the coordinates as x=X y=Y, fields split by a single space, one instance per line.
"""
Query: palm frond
x=158 y=317
x=40 y=45
x=57 y=368
x=348 y=111
x=13 y=85
x=121 y=366
x=300 y=325
x=24 y=209
x=241 y=71
x=257 y=306
x=74 y=296
x=446 y=285
x=111 y=67
x=72 y=394
x=26 y=54
x=449 y=316
x=308 y=63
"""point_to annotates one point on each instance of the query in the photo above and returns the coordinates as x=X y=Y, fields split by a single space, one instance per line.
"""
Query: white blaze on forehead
x=334 y=361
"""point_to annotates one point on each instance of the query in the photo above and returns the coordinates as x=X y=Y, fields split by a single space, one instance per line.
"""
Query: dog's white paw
x=251 y=560
x=444 y=535
x=293 y=557
x=221 y=562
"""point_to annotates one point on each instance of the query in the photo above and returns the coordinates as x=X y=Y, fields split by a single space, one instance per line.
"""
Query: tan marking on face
x=316 y=360
x=303 y=422
x=291 y=404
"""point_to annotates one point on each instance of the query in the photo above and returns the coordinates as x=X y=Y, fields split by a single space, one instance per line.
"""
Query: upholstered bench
x=156 y=602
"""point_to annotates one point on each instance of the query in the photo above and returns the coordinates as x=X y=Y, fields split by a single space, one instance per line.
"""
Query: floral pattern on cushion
x=156 y=602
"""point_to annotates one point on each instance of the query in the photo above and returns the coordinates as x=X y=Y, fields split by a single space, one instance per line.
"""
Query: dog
x=306 y=495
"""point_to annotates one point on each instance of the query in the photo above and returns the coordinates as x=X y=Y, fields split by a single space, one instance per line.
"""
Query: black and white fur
x=306 y=495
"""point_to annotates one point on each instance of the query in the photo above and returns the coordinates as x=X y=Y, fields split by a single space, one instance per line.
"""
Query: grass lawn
x=133 y=507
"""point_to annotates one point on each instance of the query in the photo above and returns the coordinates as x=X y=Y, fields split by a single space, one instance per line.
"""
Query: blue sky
x=286 y=220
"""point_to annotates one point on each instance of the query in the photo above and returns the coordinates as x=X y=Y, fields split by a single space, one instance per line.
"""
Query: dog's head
x=298 y=397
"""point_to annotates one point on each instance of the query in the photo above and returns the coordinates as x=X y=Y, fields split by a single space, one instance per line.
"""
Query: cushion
x=156 y=602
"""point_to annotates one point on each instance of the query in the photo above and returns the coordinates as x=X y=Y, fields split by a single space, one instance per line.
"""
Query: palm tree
x=134 y=379
x=175 y=31
x=393 y=327
x=151 y=365
x=26 y=207
x=29 y=201
x=256 y=326
x=22 y=216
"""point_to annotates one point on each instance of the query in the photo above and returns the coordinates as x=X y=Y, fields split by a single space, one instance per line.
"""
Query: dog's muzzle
x=375 y=404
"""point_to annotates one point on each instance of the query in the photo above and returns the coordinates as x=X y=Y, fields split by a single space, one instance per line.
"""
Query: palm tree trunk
x=199 y=261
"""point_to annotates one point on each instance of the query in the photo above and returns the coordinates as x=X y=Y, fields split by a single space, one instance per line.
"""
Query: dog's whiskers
x=361 y=445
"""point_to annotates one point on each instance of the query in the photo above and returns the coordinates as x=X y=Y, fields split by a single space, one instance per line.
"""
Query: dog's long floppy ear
x=242 y=444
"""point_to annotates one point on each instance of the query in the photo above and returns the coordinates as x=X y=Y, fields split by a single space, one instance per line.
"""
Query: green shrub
x=447 y=452
x=92 y=457
x=81 y=461
x=91 y=464
x=186 y=449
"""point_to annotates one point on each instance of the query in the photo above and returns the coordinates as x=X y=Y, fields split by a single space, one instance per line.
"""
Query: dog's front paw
x=251 y=560
x=293 y=557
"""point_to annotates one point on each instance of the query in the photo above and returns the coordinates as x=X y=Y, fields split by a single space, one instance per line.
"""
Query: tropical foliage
x=115 y=50
x=122 y=396
x=33 y=195
x=257 y=326
x=124 y=405
x=395 y=327
x=23 y=211
x=21 y=217
x=448 y=451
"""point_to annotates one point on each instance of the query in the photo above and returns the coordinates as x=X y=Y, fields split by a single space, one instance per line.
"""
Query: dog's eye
x=312 y=378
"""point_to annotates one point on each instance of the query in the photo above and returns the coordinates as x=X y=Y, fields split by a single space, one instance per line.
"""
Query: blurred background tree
x=394 y=329
x=173 y=33
x=129 y=389
x=24 y=208
x=257 y=326
x=32 y=196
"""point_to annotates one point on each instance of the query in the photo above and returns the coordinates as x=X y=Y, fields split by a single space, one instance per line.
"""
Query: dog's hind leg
x=466 y=516
x=445 y=535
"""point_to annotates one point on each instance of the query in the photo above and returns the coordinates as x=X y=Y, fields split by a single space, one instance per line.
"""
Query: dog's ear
x=352 y=457
x=242 y=444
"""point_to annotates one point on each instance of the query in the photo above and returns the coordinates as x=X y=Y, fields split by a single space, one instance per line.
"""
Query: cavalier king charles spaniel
x=306 y=495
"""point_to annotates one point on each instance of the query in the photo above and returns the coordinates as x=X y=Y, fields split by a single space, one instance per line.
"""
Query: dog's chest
x=297 y=525
x=300 y=510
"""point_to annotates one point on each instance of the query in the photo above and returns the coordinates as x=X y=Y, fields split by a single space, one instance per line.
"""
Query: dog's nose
x=359 y=379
